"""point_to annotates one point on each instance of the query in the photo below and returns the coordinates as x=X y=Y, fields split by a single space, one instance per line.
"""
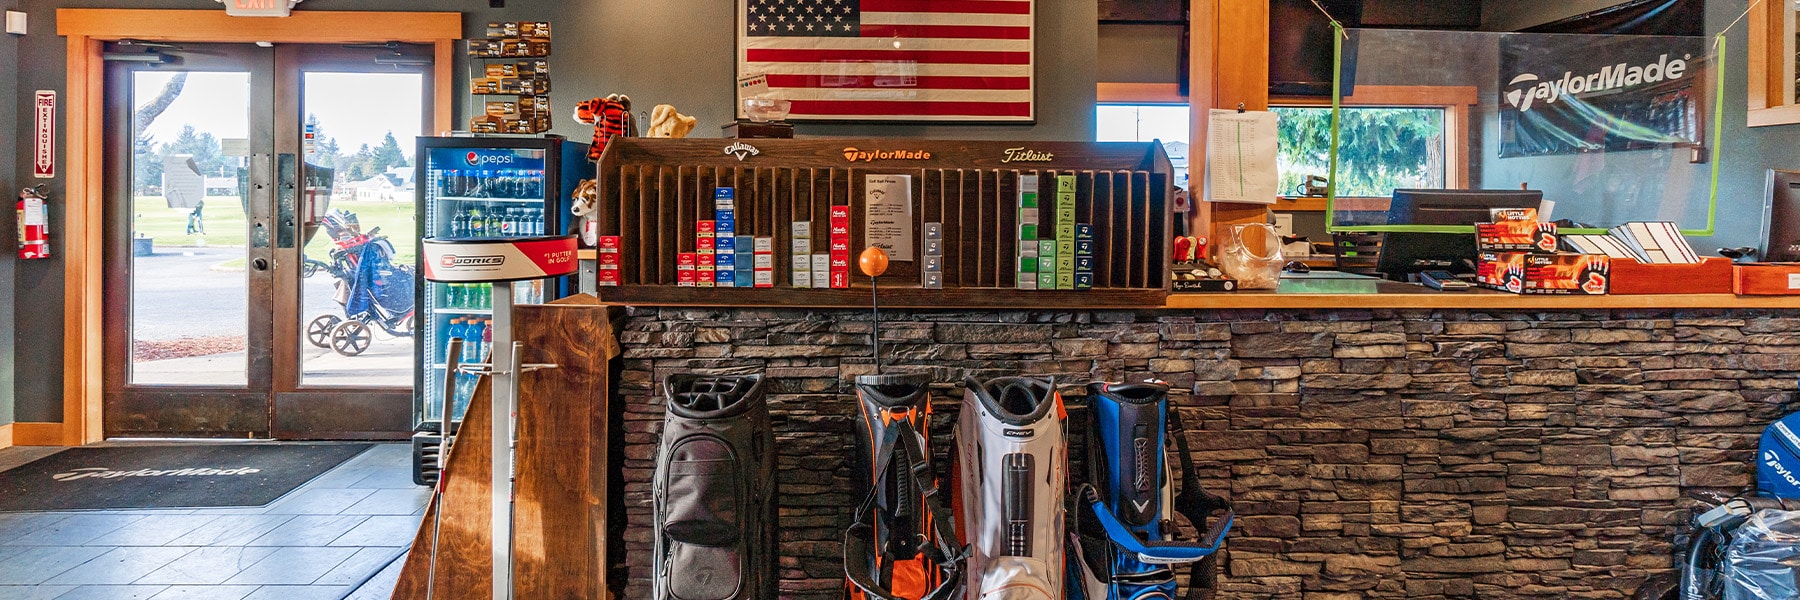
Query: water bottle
x=476 y=345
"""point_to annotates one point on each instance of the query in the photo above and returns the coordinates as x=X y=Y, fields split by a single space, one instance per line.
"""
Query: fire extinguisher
x=34 y=224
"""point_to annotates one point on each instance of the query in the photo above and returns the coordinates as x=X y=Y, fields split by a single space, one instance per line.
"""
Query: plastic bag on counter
x=1761 y=558
x=1252 y=255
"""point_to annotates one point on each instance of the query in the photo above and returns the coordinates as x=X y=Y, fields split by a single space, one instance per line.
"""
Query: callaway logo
x=1016 y=433
x=1528 y=88
x=451 y=261
x=1774 y=462
x=854 y=155
x=1141 y=505
x=742 y=150
x=104 y=473
x=475 y=159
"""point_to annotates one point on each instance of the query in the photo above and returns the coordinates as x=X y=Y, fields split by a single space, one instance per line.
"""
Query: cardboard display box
x=1527 y=273
x=1709 y=276
x=1516 y=236
x=1766 y=279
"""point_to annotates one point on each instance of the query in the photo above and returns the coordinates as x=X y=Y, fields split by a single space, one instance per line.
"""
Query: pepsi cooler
x=473 y=188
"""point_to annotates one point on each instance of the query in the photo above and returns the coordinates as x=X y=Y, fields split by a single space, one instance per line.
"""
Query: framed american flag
x=890 y=60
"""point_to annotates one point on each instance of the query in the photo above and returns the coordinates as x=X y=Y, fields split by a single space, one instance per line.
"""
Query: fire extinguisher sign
x=43 y=161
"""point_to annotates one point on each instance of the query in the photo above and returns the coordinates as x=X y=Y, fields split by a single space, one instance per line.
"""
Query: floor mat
x=172 y=476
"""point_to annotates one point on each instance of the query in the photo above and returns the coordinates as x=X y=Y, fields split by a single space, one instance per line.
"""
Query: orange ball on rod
x=873 y=261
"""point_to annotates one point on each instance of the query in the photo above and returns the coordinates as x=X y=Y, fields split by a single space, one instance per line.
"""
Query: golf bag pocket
x=1017 y=578
x=714 y=492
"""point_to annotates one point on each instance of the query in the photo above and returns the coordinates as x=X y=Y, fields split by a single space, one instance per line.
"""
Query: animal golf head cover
x=665 y=122
x=610 y=116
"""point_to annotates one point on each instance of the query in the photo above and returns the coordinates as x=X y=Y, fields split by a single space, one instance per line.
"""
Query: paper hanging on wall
x=888 y=215
x=1240 y=156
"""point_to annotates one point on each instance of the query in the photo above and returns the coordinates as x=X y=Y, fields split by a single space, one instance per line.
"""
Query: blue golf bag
x=1125 y=546
x=1778 y=459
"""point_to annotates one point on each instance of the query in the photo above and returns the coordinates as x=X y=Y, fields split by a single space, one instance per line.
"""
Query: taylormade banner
x=1569 y=94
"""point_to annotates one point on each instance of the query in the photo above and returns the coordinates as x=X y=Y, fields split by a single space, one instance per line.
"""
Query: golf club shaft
x=452 y=363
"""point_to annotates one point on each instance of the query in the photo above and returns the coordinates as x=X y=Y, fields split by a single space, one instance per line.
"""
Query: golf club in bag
x=1012 y=458
x=900 y=544
x=714 y=512
x=1125 y=545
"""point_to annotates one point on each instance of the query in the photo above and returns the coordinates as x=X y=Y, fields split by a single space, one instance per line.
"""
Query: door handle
x=287 y=193
x=260 y=264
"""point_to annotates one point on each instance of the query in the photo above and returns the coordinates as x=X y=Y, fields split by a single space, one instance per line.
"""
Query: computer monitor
x=1455 y=207
x=1781 y=213
x=1404 y=253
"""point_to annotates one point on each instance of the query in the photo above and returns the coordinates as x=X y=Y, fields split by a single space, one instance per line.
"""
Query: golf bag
x=715 y=491
x=1012 y=460
x=1778 y=459
x=901 y=545
x=1125 y=544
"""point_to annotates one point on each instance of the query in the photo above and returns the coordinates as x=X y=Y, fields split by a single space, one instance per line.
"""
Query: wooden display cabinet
x=653 y=191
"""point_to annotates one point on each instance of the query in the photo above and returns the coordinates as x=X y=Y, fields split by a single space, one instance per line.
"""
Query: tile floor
x=339 y=536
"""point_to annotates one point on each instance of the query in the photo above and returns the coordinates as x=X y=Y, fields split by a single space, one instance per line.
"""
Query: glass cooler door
x=471 y=192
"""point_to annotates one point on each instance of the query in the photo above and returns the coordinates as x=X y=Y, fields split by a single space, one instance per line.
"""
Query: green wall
x=9 y=142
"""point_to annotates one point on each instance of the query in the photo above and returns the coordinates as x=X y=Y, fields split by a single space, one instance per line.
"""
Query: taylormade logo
x=106 y=473
x=1774 y=462
x=1528 y=89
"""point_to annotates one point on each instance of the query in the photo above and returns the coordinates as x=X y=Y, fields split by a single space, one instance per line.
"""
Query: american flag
x=892 y=60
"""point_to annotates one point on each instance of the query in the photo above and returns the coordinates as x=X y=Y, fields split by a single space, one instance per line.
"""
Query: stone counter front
x=1368 y=454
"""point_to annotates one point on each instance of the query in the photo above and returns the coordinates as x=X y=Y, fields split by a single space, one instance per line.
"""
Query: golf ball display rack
x=948 y=212
x=500 y=261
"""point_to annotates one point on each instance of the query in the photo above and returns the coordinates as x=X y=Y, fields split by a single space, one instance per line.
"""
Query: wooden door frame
x=87 y=32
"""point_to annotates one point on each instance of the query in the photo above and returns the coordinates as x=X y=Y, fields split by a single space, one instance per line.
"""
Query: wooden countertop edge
x=1254 y=300
x=1270 y=301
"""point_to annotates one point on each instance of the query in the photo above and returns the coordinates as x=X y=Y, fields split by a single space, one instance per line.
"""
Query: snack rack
x=513 y=63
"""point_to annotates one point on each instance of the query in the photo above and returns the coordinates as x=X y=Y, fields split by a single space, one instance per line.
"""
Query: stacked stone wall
x=1368 y=454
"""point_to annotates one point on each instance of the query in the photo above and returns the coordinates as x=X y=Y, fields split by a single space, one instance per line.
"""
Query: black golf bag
x=715 y=491
x=901 y=544
x=1126 y=542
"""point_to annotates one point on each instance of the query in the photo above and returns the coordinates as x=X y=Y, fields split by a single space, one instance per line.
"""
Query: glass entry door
x=252 y=193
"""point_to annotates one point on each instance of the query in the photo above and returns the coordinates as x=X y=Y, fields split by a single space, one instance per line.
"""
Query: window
x=1149 y=122
x=1380 y=149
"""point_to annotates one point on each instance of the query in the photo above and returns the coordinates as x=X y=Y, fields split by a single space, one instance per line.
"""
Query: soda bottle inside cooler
x=477 y=225
x=453 y=295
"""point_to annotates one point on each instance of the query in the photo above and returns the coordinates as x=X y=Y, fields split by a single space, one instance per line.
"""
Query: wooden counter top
x=1471 y=301
x=1388 y=295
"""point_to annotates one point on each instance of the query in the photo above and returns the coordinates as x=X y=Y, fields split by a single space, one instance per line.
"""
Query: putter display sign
x=490 y=260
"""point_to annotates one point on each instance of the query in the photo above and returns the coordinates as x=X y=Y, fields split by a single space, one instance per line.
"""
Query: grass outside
x=225 y=225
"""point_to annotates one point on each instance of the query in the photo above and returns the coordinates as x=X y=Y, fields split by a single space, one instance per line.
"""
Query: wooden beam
x=1241 y=78
x=1140 y=93
x=303 y=27
x=38 y=434
x=6 y=436
x=443 y=84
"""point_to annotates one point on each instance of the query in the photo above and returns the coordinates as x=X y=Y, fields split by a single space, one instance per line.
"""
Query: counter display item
x=1528 y=273
x=1092 y=227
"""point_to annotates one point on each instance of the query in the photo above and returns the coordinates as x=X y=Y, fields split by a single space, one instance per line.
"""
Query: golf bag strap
x=1194 y=504
x=859 y=538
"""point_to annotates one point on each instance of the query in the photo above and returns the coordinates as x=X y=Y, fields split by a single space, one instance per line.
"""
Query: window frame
x=1772 y=66
x=1457 y=103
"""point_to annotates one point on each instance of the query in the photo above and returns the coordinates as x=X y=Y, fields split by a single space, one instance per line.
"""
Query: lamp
x=259 y=8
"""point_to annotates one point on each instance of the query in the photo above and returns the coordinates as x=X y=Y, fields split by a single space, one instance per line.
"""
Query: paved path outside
x=342 y=535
